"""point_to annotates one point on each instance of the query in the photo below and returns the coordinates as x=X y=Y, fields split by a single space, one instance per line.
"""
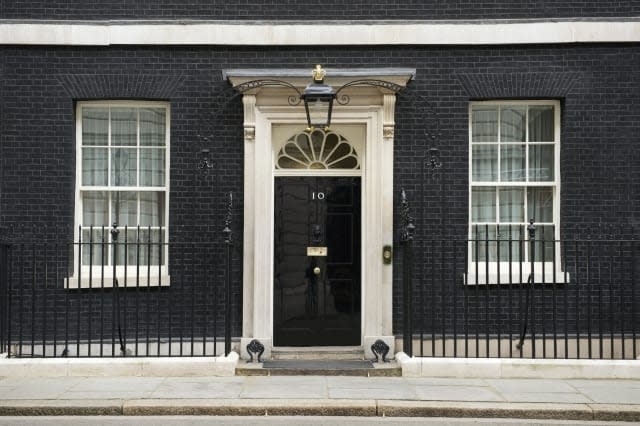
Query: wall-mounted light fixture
x=318 y=101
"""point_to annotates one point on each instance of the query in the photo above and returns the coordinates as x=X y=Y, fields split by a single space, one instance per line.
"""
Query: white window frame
x=132 y=276
x=516 y=272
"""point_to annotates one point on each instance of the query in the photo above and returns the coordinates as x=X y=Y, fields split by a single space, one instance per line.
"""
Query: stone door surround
x=267 y=111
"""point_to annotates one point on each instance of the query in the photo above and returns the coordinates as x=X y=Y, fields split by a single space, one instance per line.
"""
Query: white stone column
x=256 y=296
x=249 y=103
x=380 y=320
x=257 y=299
x=388 y=120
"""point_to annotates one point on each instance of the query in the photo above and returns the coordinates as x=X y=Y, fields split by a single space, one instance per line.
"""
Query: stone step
x=318 y=353
x=324 y=367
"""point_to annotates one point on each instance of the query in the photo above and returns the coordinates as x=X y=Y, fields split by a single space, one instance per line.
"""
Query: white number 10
x=318 y=195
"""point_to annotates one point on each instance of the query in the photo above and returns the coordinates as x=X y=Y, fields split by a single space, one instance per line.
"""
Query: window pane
x=541 y=124
x=512 y=163
x=483 y=244
x=151 y=247
x=288 y=163
x=485 y=163
x=484 y=127
x=126 y=249
x=512 y=124
x=123 y=126
x=152 y=166
x=95 y=126
x=345 y=163
x=94 y=166
x=304 y=147
x=92 y=248
x=544 y=245
x=152 y=126
x=540 y=204
x=511 y=246
x=541 y=163
x=512 y=205
x=95 y=210
x=152 y=209
x=124 y=208
x=123 y=167
x=483 y=201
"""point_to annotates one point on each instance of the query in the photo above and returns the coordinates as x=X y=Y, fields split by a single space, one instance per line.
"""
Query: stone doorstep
x=336 y=358
x=320 y=407
x=317 y=353
x=257 y=369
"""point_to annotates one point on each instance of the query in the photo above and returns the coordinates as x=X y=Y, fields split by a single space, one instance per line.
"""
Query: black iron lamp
x=318 y=101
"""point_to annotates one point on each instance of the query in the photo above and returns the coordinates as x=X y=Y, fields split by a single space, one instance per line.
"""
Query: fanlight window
x=317 y=150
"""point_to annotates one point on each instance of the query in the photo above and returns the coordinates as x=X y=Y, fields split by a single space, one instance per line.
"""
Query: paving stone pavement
x=292 y=395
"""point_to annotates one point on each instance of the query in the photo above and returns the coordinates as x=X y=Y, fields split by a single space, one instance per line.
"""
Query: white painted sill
x=130 y=280
x=483 y=273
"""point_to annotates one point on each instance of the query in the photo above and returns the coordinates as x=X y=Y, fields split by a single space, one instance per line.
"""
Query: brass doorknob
x=316 y=270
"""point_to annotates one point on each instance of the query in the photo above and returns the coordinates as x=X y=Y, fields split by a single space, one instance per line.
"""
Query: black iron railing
x=517 y=291
x=491 y=297
x=117 y=293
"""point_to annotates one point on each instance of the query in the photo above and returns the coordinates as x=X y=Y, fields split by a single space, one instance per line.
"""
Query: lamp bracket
x=293 y=100
x=341 y=98
x=344 y=99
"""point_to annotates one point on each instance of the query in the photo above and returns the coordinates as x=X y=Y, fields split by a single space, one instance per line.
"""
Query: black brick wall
x=304 y=10
x=600 y=159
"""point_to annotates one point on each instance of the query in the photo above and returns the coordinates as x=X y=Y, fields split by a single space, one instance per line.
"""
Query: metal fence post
x=407 y=230
x=116 y=288
x=4 y=298
x=531 y=229
x=228 y=241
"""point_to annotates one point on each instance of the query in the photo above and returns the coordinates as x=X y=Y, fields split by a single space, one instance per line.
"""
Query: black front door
x=317 y=261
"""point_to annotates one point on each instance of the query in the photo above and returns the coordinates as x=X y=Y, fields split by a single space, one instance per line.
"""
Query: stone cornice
x=331 y=33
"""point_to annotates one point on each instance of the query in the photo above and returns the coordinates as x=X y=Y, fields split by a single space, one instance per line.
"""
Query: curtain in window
x=95 y=133
x=485 y=163
x=512 y=163
x=483 y=201
x=541 y=123
x=513 y=124
x=540 y=204
x=484 y=124
x=511 y=205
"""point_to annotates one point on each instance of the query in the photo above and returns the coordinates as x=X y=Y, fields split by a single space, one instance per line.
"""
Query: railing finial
x=532 y=230
x=114 y=232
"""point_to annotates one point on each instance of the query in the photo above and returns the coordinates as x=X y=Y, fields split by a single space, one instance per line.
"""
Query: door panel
x=317 y=297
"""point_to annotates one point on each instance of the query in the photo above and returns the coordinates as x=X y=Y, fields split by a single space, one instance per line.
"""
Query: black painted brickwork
x=600 y=112
x=304 y=10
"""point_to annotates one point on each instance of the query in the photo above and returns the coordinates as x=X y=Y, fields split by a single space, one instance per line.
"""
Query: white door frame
x=370 y=108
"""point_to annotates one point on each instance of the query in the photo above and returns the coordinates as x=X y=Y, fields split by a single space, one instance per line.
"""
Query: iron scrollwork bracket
x=344 y=99
x=255 y=347
x=380 y=350
x=228 y=234
x=293 y=100
x=407 y=228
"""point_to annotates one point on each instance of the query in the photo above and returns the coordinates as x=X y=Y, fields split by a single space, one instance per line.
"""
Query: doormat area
x=318 y=364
